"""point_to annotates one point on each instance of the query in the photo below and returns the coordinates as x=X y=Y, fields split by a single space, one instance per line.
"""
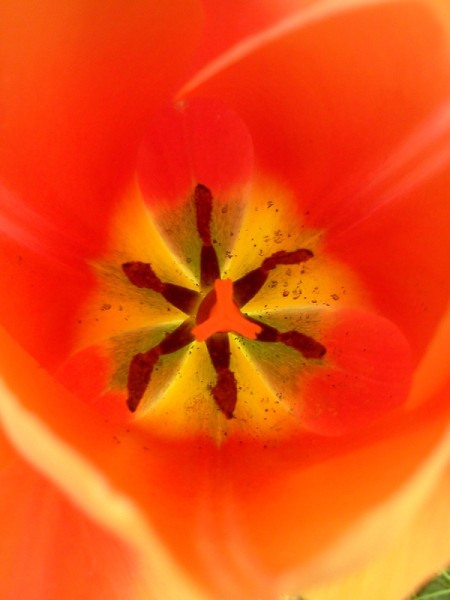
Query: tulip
x=224 y=318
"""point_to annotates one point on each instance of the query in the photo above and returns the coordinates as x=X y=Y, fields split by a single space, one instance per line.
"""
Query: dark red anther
x=304 y=344
x=225 y=392
x=203 y=205
x=267 y=333
x=209 y=266
x=246 y=288
x=142 y=364
x=205 y=307
x=286 y=258
x=181 y=297
x=143 y=276
x=181 y=337
x=139 y=375
x=219 y=350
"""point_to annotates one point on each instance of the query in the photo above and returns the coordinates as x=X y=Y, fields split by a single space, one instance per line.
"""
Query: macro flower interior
x=224 y=313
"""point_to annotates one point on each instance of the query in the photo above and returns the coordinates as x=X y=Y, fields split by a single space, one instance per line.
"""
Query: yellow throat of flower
x=208 y=312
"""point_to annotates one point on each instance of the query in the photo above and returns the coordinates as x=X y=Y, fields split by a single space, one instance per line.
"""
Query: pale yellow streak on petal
x=93 y=494
x=305 y=17
x=419 y=554
x=416 y=542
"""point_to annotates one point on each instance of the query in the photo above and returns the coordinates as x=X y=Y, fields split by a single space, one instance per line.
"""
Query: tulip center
x=228 y=315
x=213 y=313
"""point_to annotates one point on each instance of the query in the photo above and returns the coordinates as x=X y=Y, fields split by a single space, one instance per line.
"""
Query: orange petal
x=367 y=373
x=417 y=555
x=196 y=142
x=400 y=253
x=318 y=125
x=230 y=21
x=231 y=540
x=80 y=81
x=129 y=560
x=49 y=549
x=380 y=192
x=44 y=291
x=7 y=454
x=432 y=372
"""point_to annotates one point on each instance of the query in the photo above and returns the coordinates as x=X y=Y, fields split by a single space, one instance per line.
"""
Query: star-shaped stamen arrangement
x=212 y=313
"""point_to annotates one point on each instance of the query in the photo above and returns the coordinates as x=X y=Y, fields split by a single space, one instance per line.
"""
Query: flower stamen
x=142 y=275
x=143 y=363
x=249 y=285
x=213 y=313
x=209 y=264
x=306 y=345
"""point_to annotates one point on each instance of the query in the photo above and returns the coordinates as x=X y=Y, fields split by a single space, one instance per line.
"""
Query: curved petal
x=347 y=54
x=367 y=373
x=143 y=567
x=379 y=192
x=418 y=553
x=229 y=21
x=196 y=142
x=80 y=81
x=50 y=549
x=400 y=254
x=231 y=541
x=46 y=278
